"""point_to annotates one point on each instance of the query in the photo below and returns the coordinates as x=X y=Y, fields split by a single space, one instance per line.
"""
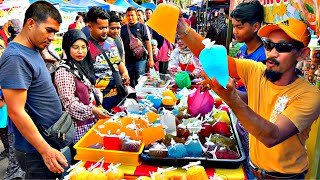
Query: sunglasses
x=280 y=47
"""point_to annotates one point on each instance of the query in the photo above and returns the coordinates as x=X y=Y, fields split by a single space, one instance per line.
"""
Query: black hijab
x=85 y=67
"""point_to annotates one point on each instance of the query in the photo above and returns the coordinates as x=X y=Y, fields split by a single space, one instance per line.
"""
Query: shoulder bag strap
x=40 y=128
x=129 y=30
x=103 y=53
x=72 y=71
x=114 y=72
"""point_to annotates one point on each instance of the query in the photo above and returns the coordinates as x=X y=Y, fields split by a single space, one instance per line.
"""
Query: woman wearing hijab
x=182 y=59
x=74 y=81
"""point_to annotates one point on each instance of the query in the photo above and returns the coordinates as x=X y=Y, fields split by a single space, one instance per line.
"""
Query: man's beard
x=272 y=76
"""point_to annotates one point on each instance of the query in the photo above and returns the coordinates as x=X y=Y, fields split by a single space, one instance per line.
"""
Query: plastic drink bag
x=214 y=61
x=164 y=21
x=153 y=73
x=152 y=134
x=183 y=80
x=200 y=103
x=169 y=122
x=3 y=116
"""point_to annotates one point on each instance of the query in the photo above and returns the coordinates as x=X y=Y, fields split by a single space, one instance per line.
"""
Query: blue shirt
x=23 y=68
x=258 y=55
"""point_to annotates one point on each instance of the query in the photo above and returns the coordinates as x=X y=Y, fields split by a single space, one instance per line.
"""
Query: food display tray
x=205 y=161
x=85 y=153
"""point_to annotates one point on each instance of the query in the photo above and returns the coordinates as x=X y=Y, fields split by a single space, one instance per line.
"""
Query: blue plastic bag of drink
x=214 y=61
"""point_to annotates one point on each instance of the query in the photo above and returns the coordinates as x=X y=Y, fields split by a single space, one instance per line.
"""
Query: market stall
x=150 y=5
x=122 y=3
x=164 y=121
x=137 y=6
x=104 y=5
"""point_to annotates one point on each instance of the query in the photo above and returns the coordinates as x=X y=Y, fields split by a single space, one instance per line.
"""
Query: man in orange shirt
x=281 y=106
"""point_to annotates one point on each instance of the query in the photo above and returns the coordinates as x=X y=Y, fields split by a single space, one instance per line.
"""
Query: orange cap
x=294 y=28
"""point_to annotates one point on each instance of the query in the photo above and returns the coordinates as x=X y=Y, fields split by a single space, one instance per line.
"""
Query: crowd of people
x=98 y=48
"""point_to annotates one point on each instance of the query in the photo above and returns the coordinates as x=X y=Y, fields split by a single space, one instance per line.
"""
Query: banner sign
x=276 y=10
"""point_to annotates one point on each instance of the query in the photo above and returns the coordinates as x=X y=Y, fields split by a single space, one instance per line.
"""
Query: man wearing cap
x=281 y=106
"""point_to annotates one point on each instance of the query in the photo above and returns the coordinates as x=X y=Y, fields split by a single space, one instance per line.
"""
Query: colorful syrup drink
x=214 y=61
x=111 y=142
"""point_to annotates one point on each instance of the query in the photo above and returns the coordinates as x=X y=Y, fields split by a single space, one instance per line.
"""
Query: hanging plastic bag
x=214 y=61
x=183 y=79
x=200 y=103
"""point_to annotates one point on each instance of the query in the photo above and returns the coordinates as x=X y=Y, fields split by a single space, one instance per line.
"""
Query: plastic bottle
x=214 y=61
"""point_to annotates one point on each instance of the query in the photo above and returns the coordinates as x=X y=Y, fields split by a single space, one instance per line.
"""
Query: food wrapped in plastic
x=114 y=173
x=131 y=145
x=158 y=150
x=200 y=103
x=224 y=141
x=196 y=173
x=97 y=174
x=177 y=150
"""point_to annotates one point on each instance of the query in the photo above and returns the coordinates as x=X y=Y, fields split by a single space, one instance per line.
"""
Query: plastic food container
x=146 y=83
x=205 y=161
x=85 y=153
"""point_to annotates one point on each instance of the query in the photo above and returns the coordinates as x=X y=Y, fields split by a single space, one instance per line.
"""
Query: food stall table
x=132 y=172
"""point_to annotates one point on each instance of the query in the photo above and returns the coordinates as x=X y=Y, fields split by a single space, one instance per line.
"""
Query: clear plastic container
x=148 y=84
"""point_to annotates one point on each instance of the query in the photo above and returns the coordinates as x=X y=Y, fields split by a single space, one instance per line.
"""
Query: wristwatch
x=185 y=32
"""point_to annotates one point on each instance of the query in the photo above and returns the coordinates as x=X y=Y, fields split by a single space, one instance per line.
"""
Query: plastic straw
x=112 y=167
x=191 y=164
x=96 y=164
x=74 y=166
x=169 y=169
x=101 y=165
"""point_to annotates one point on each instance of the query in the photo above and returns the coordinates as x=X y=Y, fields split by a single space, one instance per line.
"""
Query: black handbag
x=122 y=91
x=61 y=133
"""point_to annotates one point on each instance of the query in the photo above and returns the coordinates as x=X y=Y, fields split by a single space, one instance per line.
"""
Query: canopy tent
x=150 y=5
x=65 y=6
x=122 y=3
x=13 y=9
x=137 y=6
x=104 y=5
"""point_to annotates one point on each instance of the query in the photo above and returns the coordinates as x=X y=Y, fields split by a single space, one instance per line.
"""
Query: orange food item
x=169 y=93
x=110 y=127
x=159 y=176
x=79 y=173
x=168 y=101
x=196 y=173
x=97 y=174
x=141 y=123
x=152 y=134
x=222 y=116
x=134 y=134
x=152 y=116
x=115 y=174
x=167 y=28
x=126 y=120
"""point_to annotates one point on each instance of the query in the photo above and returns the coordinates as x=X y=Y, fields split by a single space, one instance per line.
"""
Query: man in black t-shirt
x=136 y=66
